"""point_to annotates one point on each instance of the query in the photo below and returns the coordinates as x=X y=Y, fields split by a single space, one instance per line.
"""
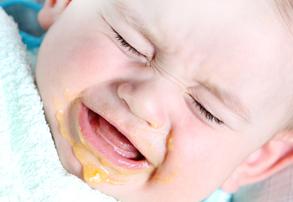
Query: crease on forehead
x=285 y=9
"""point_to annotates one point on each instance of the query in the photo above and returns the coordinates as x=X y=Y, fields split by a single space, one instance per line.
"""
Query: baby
x=168 y=100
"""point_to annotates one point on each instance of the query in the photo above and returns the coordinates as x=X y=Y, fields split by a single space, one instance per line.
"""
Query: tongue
x=113 y=137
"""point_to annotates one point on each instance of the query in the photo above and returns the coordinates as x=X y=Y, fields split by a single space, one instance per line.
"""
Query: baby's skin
x=167 y=100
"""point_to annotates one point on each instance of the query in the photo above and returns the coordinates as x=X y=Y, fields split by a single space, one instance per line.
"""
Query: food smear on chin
x=94 y=172
x=95 y=169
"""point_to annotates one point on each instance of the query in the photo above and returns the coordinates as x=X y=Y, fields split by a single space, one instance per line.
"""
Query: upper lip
x=136 y=131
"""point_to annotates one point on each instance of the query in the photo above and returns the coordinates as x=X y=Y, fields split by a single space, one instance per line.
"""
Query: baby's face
x=194 y=87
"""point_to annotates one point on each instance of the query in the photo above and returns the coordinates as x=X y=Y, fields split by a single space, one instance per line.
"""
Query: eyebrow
x=229 y=99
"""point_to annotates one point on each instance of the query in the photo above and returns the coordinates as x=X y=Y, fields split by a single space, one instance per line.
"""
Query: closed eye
x=204 y=112
x=126 y=45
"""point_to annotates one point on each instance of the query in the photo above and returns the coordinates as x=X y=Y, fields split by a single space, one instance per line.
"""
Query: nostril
x=123 y=91
x=142 y=103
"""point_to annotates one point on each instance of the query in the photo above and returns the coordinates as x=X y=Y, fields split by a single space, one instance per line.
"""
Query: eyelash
x=208 y=115
x=125 y=44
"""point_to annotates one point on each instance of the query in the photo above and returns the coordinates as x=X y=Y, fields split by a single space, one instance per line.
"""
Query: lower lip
x=101 y=146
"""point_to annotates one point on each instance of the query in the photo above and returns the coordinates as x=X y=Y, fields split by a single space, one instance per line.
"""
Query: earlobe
x=51 y=11
x=268 y=160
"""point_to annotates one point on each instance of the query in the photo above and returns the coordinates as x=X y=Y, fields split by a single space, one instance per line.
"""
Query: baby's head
x=200 y=91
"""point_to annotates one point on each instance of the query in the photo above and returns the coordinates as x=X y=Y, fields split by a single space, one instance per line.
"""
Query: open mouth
x=108 y=142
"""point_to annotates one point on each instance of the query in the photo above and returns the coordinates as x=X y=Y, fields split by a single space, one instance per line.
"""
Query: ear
x=51 y=11
x=268 y=160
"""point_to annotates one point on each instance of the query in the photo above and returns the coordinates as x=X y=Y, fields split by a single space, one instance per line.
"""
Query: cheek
x=68 y=65
x=79 y=63
x=204 y=157
x=90 y=62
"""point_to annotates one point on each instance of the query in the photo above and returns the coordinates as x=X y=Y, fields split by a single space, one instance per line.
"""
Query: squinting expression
x=162 y=100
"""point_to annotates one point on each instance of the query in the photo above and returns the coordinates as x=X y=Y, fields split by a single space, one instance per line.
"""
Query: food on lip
x=170 y=144
x=165 y=178
x=97 y=169
x=59 y=105
x=61 y=126
x=105 y=140
x=168 y=176
x=94 y=170
x=91 y=171
x=113 y=137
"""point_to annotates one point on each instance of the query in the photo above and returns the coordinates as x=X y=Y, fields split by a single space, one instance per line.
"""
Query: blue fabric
x=219 y=196
x=25 y=14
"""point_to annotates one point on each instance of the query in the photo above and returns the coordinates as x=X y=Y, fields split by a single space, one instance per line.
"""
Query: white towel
x=30 y=170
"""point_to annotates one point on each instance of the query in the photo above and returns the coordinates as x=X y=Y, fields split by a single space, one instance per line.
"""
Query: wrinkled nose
x=145 y=102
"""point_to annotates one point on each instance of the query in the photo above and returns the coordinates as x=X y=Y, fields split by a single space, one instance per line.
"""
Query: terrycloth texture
x=29 y=167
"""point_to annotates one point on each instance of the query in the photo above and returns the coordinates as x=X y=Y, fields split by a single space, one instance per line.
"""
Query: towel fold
x=30 y=170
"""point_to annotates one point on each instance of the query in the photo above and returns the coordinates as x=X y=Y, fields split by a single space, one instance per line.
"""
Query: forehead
x=173 y=22
x=192 y=29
